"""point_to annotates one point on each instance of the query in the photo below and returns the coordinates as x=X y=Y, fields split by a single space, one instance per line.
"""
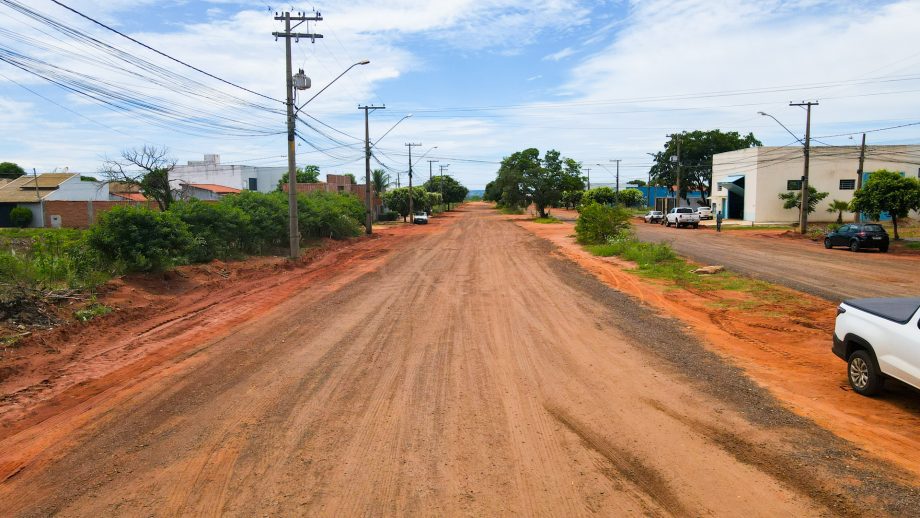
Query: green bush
x=21 y=217
x=389 y=215
x=218 y=229
x=268 y=219
x=54 y=258
x=599 y=195
x=139 y=239
x=326 y=214
x=598 y=223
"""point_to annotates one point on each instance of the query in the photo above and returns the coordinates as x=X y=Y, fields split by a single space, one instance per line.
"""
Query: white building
x=746 y=183
x=211 y=172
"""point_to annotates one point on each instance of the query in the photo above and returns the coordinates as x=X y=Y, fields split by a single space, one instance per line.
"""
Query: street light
x=765 y=114
x=387 y=132
x=419 y=159
x=362 y=62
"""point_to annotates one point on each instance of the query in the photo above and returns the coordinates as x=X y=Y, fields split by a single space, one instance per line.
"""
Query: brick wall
x=81 y=214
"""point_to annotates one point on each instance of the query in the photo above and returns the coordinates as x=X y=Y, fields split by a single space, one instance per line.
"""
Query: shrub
x=600 y=195
x=140 y=239
x=389 y=215
x=218 y=229
x=268 y=219
x=598 y=223
x=21 y=217
x=326 y=214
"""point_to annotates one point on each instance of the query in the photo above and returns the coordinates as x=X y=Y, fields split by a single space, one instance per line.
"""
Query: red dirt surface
x=782 y=347
x=454 y=369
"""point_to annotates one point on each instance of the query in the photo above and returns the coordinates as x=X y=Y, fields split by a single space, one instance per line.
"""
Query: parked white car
x=879 y=339
x=420 y=218
x=682 y=217
x=653 y=216
x=704 y=212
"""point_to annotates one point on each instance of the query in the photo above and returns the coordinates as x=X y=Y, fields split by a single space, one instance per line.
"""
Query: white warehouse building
x=211 y=171
x=746 y=183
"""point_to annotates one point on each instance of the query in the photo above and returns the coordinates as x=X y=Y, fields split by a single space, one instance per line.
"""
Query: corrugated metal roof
x=22 y=189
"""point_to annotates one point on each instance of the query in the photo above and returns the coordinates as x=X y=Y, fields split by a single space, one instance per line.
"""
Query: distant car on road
x=682 y=217
x=704 y=212
x=879 y=339
x=420 y=218
x=653 y=216
x=857 y=236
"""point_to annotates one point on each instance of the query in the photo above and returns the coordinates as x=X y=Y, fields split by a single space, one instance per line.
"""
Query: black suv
x=857 y=236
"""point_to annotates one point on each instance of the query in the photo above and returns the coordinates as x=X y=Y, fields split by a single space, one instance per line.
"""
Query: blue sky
x=597 y=80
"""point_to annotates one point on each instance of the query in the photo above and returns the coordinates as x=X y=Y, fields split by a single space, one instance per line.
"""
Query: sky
x=597 y=80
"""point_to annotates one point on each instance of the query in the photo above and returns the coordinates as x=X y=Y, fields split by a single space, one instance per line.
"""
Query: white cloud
x=557 y=56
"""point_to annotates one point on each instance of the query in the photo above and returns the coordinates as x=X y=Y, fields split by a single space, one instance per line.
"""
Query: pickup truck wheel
x=696 y=225
x=854 y=246
x=827 y=242
x=667 y=223
x=883 y=249
x=863 y=374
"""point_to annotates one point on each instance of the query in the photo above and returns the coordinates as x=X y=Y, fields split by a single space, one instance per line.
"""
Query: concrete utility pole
x=368 y=213
x=588 y=174
x=410 y=145
x=803 y=218
x=618 y=177
x=429 y=168
x=441 y=181
x=859 y=172
x=287 y=18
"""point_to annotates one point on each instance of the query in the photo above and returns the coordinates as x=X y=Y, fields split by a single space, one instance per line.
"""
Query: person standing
x=719 y=221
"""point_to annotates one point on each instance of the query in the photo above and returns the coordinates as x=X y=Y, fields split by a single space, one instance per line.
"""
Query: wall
x=81 y=214
x=74 y=189
x=236 y=176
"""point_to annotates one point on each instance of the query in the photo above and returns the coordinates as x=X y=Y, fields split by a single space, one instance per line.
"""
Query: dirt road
x=471 y=372
x=803 y=265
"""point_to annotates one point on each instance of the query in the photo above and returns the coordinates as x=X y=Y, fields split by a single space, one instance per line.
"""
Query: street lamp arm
x=389 y=130
x=781 y=124
x=363 y=62
x=419 y=159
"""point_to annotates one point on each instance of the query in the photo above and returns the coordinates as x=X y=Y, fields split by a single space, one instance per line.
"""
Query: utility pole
x=803 y=218
x=588 y=173
x=859 y=172
x=441 y=181
x=429 y=168
x=287 y=18
x=618 y=177
x=368 y=213
x=410 y=145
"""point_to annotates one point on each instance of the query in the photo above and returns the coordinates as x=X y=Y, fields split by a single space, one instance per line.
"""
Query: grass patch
x=549 y=220
x=757 y=227
x=658 y=261
x=511 y=210
x=912 y=245
x=92 y=311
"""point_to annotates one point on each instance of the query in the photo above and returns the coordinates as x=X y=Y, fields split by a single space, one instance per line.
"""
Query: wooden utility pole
x=287 y=18
x=588 y=174
x=618 y=179
x=803 y=217
x=410 y=145
x=368 y=213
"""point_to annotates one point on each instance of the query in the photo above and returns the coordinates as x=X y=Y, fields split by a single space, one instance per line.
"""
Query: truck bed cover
x=898 y=310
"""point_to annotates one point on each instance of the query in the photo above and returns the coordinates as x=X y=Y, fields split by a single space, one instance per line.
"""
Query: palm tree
x=380 y=180
x=839 y=206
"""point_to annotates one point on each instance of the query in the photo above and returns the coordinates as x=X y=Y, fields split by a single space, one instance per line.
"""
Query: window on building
x=793 y=185
x=847 y=185
x=253 y=184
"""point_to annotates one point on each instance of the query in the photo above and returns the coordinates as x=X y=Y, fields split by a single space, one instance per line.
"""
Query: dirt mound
x=22 y=308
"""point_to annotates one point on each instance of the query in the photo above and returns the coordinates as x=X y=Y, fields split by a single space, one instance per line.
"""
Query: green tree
x=451 y=190
x=380 y=180
x=21 y=217
x=508 y=186
x=398 y=200
x=630 y=197
x=600 y=195
x=696 y=151
x=839 y=206
x=268 y=219
x=793 y=199
x=572 y=199
x=305 y=174
x=10 y=170
x=887 y=191
x=147 y=167
x=637 y=183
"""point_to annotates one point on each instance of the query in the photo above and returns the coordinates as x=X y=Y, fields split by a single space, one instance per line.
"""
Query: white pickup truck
x=682 y=217
x=879 y=339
